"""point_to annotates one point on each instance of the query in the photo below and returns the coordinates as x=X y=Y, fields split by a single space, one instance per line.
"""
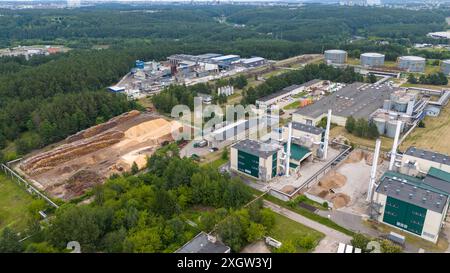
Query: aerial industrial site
x=201 y=128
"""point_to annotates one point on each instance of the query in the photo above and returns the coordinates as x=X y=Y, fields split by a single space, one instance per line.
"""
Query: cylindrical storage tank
x=387 y=105
x=400 y=106
x=445 y=67
x=381 y=125
x=412 y=63
x=391 y=127
x=335 y=56
x=372 y=59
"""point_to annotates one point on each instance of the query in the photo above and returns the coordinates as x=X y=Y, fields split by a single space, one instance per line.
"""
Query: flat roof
x=208 y=55
x=428 y=155
x=226 y=57
x=116 y=88
x=357 y=99
x=306 y=128
x=201 y=244
x=412 y=190
x=288 y=89
x=257 y=148
x=252 y=60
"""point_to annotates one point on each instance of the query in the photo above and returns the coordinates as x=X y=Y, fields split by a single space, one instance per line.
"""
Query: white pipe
x=394 y=146
x=327 y=135
x=288 y=150
x=373 y=173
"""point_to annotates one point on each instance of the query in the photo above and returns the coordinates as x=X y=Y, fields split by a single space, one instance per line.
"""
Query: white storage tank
x=372 y=59
x=445 y=67
x=335 y=56
x=412 y=63
x=391 y=127
x=381 y=125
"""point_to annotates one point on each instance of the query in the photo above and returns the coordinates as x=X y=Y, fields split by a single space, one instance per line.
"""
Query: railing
x=29 y=188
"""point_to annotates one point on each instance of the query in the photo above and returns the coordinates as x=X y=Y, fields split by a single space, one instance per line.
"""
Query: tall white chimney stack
x=327 y=135
x=288 y=149
x=394 y=146
x=373 y=173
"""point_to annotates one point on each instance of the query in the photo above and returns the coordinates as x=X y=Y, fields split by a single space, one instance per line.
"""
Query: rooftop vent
x=397 y=191
x=411 y=196
x=438 y=204
x=424 y=200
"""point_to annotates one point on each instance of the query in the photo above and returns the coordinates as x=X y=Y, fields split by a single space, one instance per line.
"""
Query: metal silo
x=335 y=56
x=372 y=59
x=381 y=125
x=411 y=63
x=391 y=127
x=445 y=67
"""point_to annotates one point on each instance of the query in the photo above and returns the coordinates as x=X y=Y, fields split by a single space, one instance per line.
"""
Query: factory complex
x=151 y=77
x=29 y=51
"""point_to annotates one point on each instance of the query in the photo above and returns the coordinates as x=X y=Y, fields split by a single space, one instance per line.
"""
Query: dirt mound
x=355 y=156
x=369 y=159
x=80 y=182
x=95 y=130
x=288 y=189
x=340 y=200
x=150 y=130
x=333 y=180
x=49 y=160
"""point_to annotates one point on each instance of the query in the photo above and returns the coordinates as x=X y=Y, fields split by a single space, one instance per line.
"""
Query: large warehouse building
x=286 y=92
x=412 y=63
x=358 y=100
x=335 y=56
x=372 y=59
x=414 y=205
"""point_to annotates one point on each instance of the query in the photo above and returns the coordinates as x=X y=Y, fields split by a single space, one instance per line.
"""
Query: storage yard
x=90 y=156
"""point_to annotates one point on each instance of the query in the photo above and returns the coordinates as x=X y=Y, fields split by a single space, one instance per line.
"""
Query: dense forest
x=126 y=33
x=147 y=213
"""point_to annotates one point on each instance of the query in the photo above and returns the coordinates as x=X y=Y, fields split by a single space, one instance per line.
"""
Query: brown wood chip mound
x=340 y=200
x=333 y=180
x=288 y=189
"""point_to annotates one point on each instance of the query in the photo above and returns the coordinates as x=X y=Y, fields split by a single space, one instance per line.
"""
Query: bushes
x=361 y=128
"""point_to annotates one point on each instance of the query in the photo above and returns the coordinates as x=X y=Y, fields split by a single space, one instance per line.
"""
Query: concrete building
x=358 y=100
x=286 y=92
x=255 y=158
x=372 y=59
x=335 y=56
x=439 y=35
x=445 y=67
x=204 y=243
x=416 y=206
x=417 y=161
x=412 y=63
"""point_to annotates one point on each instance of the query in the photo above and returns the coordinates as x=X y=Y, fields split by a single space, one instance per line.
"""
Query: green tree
x=360 y=241
x=9 y=241
x=134 y=168
x=224 y=155
x=255 y=232
x=350 y=124
x=412 y=79
x=42 y=247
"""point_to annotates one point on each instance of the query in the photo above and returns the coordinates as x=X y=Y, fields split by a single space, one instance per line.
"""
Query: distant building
x=116 y=89
x=416 y=161
x=439 y=35
x=204 y=243
x=253 y=62
x=286 y=92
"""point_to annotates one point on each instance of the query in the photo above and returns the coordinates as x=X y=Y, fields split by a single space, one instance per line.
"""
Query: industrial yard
x=89 y=157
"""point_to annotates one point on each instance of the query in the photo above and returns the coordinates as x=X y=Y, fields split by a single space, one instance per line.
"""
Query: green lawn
x=286 y=230
x=13 y=204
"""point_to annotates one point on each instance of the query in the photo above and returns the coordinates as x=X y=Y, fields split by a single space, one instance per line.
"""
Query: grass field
x=436 y=87
x=13 y=204
x=386 y=143
x=286 y=230
x=435 y=134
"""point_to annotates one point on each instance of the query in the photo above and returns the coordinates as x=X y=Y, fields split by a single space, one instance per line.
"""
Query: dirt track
x=90 y=156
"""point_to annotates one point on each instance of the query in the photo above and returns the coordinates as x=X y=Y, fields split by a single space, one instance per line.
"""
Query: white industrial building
x=287 y=92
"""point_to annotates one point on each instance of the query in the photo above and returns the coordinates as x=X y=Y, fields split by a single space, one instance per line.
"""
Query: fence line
x=29 y=188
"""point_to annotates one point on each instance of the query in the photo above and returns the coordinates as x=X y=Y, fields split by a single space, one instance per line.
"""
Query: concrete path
x=332 y=237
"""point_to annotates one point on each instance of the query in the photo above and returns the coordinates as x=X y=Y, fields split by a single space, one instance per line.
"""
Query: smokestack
x=327 y=135
x=288 y=149
x=394 y=146
x=373 y=173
